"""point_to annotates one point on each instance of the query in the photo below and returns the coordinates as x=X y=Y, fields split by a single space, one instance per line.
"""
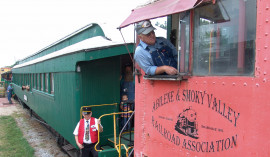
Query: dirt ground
x=36 y=134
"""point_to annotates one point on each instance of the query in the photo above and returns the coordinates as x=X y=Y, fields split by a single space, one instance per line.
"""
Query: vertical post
x=114 y=126
x=241 y=37
x=210 y=51
x=183 y=46
x=218 y=43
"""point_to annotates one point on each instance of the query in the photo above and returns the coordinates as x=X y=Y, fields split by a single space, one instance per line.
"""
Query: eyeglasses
x=146 y=24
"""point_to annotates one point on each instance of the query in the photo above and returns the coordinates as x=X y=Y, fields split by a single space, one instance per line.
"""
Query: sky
x=27 y=26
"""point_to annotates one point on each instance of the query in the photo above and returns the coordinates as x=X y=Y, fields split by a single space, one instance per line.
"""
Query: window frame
x=182 y=76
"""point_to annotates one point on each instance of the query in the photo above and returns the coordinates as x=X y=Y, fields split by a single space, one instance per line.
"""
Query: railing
x=95 y=106
x=116 y=146
x=121 y=132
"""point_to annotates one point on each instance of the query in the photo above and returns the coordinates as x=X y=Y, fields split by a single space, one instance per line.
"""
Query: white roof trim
x=95 y=42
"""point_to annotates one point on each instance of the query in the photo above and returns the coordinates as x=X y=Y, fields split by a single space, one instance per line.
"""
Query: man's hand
x=167 y=69
x=77 y=142
x=98 y=121
x=80 y=145
x=100 y=126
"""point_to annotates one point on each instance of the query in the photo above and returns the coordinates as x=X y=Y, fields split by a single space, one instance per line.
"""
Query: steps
x=109 y=150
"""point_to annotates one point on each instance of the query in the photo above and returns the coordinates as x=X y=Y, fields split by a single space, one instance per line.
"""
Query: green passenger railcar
x=81 y=69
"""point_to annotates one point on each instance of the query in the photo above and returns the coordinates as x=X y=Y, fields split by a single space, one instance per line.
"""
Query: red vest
x=93 y=131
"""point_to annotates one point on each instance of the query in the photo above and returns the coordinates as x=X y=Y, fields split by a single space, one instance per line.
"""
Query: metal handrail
x=121 y=132
x=95 y=106
x=115 y=145
x=131 y=152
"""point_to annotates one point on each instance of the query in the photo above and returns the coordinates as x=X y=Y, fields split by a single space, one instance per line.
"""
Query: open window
x=183 y=54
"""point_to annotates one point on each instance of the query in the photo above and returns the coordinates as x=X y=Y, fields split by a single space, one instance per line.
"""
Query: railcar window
x=38 y=82
x=37 y=86
x=31 y=81
x=34 y=81
x=23 y=79
x=52 y=83
x=46 y=82
x=41 y=82
x=224 y=38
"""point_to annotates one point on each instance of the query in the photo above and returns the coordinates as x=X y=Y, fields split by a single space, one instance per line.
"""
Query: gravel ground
x=36 y=134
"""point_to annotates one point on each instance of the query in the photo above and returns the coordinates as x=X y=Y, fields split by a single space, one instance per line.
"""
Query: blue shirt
x=9 y=89
x=143 y=57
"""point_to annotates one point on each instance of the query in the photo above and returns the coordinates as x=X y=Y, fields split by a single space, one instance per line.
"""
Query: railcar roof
x=94 y=43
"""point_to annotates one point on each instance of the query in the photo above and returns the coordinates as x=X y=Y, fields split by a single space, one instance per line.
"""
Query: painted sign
x=188 y=125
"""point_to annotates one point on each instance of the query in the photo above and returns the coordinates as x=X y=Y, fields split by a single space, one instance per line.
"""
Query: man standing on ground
x=9 y=93
x=86 y=133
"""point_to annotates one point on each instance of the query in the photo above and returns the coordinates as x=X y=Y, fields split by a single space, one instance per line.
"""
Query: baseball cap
x=144 y=27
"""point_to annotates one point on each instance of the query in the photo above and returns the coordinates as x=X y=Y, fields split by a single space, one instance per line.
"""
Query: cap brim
x=86 y=112
x=148 y=30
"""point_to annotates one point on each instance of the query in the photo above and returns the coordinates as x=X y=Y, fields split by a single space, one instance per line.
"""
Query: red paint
x=232 y=113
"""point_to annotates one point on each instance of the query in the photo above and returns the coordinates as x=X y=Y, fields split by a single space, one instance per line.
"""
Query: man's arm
x=77 y=142
x=167 y=69
x=99 y=126
x=143 y=58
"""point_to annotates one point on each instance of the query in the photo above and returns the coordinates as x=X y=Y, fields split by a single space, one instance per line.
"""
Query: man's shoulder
x=139 y=50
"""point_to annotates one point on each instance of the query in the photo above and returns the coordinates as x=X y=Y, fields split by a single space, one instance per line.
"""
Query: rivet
x=265 y=73
x=233 y=84
x=266 y=34
x=265 y=59
x=267 y=8
x=204 y=82
x=257 y=84
x=245 y=84
x=266 y=20
x=214 y=82
x=223 y=83
x=265 y=47
x=264 y=80
x=196 y=82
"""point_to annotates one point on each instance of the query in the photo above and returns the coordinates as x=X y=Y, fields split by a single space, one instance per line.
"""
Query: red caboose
x=218 y=104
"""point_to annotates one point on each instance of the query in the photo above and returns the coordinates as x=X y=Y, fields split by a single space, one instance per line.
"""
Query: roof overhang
x=160 y=8
x=91 y=44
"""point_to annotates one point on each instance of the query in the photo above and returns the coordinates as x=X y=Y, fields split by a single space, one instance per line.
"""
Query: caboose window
x=224 y=38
